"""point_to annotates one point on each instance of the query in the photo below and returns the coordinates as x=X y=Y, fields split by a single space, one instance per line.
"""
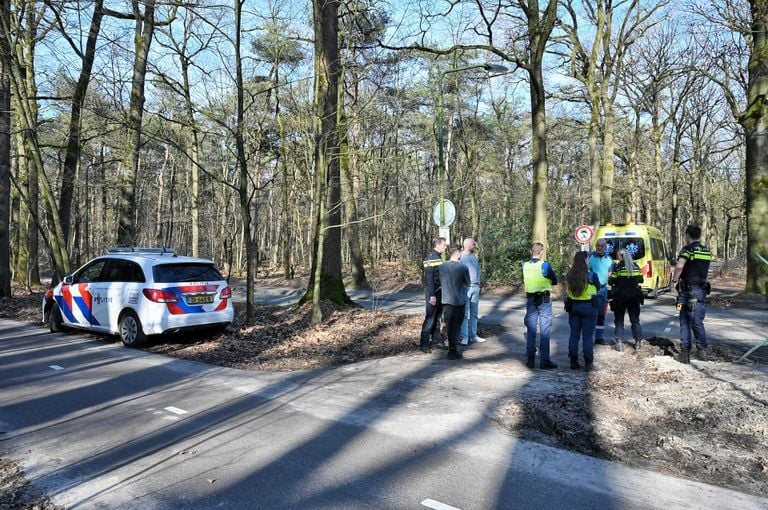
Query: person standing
x=538 y=278
x=581 y=305
x=601 y=263
x=434 y=307
x=454 y=281
x=469 y=326
x=626 y=280
x=690 y=276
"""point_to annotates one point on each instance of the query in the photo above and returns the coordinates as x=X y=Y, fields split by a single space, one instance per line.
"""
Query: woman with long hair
x=627 y=296
x=581 y=304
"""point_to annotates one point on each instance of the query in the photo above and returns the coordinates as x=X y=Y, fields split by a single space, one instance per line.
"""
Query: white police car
x=136 y=292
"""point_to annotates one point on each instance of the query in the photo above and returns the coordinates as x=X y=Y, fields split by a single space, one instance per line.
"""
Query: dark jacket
x=626 y=284
x=432 y=274
x=454 y=279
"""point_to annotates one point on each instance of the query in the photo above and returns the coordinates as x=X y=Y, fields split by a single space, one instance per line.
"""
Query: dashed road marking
x=175 y=410
x=667 y=330
x=431 y=503
x=56 y=367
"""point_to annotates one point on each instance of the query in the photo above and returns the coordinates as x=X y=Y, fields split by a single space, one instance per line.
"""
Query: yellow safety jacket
x=534 y=279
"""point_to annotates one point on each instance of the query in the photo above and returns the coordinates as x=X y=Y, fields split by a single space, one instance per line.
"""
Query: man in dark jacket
x=433 y=296
x=454 y=282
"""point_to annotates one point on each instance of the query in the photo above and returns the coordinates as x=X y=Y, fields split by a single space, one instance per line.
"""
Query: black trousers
x=629 y=302
x=431 y=325
x=454 y=316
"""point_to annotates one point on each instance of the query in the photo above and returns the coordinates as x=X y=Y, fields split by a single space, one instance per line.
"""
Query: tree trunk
x=5 y=151
x=325 y=279
x=144 y=30
x=72 y=158
x=244 y=191
x=755 y=123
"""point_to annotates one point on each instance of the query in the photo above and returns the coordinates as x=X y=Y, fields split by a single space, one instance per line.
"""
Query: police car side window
x=91 y=272
x=123 y=271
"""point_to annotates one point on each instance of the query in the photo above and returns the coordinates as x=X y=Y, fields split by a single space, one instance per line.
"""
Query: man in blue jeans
x=601 y=263
x=469 y=326
x=538 y=278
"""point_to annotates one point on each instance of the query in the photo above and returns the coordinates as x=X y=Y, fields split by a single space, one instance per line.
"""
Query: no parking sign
x=584 y=234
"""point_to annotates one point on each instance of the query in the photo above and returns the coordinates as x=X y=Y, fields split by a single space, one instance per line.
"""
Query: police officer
x=581 y=305
x=625 y=280
x=690 y=277
x=434 y=306
x=601 y=263
x=538 y=278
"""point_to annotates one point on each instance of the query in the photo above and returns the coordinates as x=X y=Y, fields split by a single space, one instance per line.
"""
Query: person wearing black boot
x=581 y=305
x=538 y=278
x=690 y=277
x=454 y=281
x=627 y=297
x=434 y=307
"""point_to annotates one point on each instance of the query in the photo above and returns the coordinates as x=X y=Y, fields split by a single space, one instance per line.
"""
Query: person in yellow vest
x=625 y=281
x=538 y=278
x=581 y=304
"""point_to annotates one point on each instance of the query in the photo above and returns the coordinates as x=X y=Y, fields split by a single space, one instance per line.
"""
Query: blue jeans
x=582 y=319
x=469 y=326
x=693 y=319
x=535 y=316
x=602 y=299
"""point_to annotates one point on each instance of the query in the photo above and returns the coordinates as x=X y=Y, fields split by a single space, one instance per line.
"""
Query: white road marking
x=175 y=410
x=672 y=322
x=431 y=503
x=667 y=330
x=56 y=367
x=171 y=418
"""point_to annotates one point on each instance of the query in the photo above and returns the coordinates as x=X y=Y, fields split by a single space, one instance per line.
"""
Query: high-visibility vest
x=534 y=279
x=589 y=290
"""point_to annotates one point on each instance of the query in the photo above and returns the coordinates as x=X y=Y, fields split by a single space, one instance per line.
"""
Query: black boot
x=702 y=354
x=618 y=345
x=685 y=356
x=575 y=364
x=547 y=365
x=588 y=364
x=531 y=361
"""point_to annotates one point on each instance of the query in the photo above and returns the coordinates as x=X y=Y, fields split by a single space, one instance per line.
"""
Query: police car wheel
x=131 y=333
x=55 y=324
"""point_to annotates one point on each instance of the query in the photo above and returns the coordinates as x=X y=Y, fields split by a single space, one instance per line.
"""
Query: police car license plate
x=200 y=299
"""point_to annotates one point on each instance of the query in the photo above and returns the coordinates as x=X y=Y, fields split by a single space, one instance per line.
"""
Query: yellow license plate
x=199 y=299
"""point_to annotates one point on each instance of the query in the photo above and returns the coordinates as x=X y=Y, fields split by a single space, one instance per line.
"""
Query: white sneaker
x=478 y=339
x=464 y=343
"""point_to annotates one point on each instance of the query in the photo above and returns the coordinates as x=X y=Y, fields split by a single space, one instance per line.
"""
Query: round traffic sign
x=584 y=234
x=444 y=216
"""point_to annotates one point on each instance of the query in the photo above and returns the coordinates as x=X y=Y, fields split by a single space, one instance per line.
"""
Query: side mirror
x=68 y=279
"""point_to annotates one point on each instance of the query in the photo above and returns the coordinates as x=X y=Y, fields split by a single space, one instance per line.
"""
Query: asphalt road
x=96 y=425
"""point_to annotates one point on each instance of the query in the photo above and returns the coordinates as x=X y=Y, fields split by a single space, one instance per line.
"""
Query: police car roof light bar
x=132 y=249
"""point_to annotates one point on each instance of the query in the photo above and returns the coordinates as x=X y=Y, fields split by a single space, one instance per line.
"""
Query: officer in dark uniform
x=690 y=277
x=433 y=296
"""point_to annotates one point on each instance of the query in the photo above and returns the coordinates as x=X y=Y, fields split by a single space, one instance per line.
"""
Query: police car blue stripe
x=80 y=302
x=64 y=308
x=182 y=305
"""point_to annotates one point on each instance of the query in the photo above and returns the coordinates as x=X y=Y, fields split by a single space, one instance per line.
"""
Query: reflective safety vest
x=534 y=279
x=699 y=252
x=433 y=262
x=589 y=291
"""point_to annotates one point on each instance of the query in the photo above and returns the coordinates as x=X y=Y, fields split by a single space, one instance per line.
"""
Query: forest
x=317 y=137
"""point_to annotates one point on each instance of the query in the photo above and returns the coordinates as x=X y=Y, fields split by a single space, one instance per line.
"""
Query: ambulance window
x=635 y=245
x=91 y=272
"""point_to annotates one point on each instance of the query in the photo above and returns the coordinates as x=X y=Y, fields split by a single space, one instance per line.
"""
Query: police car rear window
x=189 y=272
x=635 y=245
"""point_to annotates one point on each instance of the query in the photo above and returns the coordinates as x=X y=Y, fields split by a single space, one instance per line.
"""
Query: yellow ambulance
x=648 y=249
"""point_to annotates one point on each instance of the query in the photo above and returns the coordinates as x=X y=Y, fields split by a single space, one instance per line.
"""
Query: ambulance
x=138 y=292
x=648 y=249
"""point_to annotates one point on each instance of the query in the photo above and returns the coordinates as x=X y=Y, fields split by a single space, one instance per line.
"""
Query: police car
x=137 y=292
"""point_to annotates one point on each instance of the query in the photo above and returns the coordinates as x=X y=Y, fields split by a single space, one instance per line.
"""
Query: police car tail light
x=160 y=296
x=226 y=293
x=49 y=294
